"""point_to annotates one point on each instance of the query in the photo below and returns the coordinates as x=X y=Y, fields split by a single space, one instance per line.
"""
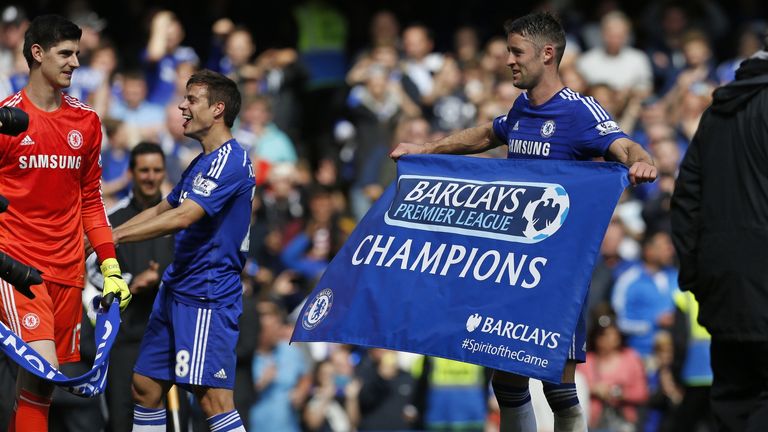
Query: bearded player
x=51 y=175
x=547 y=121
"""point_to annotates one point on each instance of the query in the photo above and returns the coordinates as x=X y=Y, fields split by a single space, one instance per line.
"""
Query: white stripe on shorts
x=207 y=324
x=197 y=364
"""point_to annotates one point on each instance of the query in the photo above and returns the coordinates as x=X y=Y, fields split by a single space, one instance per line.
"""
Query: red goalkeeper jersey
x=51 y=174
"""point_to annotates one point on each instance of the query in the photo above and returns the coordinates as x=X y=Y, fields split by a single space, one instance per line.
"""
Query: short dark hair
x=142 y=148
x=541 y=28
x=47 y=31
x=220 y=89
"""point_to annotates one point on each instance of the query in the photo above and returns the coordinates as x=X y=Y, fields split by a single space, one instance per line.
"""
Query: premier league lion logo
x=547 y=214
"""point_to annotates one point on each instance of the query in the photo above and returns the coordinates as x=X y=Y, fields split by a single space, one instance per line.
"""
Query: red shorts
x=54 y=314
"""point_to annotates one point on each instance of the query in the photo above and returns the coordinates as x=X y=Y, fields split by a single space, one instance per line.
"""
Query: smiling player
x=547 y=121
x=51 y=174
x=192 y=331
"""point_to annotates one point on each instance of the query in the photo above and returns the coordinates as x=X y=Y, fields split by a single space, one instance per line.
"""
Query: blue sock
x=561 y=396
x=515 y=408
x=148 y=419
x=510 y=396
x=226 y=422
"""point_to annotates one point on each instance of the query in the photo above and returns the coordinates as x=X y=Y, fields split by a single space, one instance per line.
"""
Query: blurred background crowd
x=328 y=88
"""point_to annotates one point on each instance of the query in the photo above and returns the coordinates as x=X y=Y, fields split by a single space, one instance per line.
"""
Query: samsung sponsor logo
x=54 y=161
x=530 y=148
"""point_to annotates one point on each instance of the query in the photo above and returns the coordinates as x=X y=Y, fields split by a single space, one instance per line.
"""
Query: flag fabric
x=486 y=261
x=91 y=383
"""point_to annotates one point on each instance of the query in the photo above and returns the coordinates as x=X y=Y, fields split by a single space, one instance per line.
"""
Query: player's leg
x=33 y=395
x=515 y=408
x=205 y=360
x=153 y=375
x=148 y=409
x=218 y=405
x=33 y=321
x=562 y=398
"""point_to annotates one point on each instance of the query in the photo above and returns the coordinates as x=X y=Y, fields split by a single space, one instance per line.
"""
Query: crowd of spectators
x=318 y=123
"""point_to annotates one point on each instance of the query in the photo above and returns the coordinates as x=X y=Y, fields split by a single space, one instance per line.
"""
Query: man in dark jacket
x=720 y=231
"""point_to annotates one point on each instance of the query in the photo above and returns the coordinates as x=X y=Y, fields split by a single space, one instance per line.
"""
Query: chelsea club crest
x=548 y=128
x=318 y=309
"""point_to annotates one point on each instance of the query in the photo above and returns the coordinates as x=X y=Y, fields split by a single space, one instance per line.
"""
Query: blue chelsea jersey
x=569 y=126
x=210 y=253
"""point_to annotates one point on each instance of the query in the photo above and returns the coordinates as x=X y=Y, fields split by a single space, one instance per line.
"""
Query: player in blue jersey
x=192 y=331
x=548 y=121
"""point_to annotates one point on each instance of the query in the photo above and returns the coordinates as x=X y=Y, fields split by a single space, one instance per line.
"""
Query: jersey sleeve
x=501 y=128
x=213 y=188
x=174 y=198
x=595 y=129
x=175 y=195
x=94 y=214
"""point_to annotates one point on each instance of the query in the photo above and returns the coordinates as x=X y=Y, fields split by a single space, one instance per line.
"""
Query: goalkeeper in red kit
x=51 y=176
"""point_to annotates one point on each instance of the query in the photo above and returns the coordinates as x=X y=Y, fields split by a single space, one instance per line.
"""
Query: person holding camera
x=51 y=175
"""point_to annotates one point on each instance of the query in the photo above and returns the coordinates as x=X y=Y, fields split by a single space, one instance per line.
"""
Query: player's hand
x=407 y=148
x=642 y=172
x=114 y=283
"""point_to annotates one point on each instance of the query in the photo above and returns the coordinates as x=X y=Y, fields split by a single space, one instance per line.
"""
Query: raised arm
x=472 y=140
x=157 y=46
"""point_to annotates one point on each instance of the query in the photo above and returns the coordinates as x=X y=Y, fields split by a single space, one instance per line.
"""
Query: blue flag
x=486 y=261
x=89 y=384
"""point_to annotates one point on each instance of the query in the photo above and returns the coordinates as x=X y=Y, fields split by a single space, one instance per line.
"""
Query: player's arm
x=632 y=154
x=160 y=224
x=93 y=214
x=148 y=214
x=95 y=222
x=472 y=140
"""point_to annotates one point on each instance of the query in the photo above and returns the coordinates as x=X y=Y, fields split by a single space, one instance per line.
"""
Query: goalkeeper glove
x=114 y=283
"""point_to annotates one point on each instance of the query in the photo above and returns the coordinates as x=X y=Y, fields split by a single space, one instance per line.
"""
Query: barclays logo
x=523 y=212
x=473 y=321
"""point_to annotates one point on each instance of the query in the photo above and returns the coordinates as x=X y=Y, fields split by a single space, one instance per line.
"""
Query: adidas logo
x=27 y=141
x=516 y=126
x=220 y=374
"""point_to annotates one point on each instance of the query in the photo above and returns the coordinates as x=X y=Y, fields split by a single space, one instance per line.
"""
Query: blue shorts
x=578 y=349
x=190 y=345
